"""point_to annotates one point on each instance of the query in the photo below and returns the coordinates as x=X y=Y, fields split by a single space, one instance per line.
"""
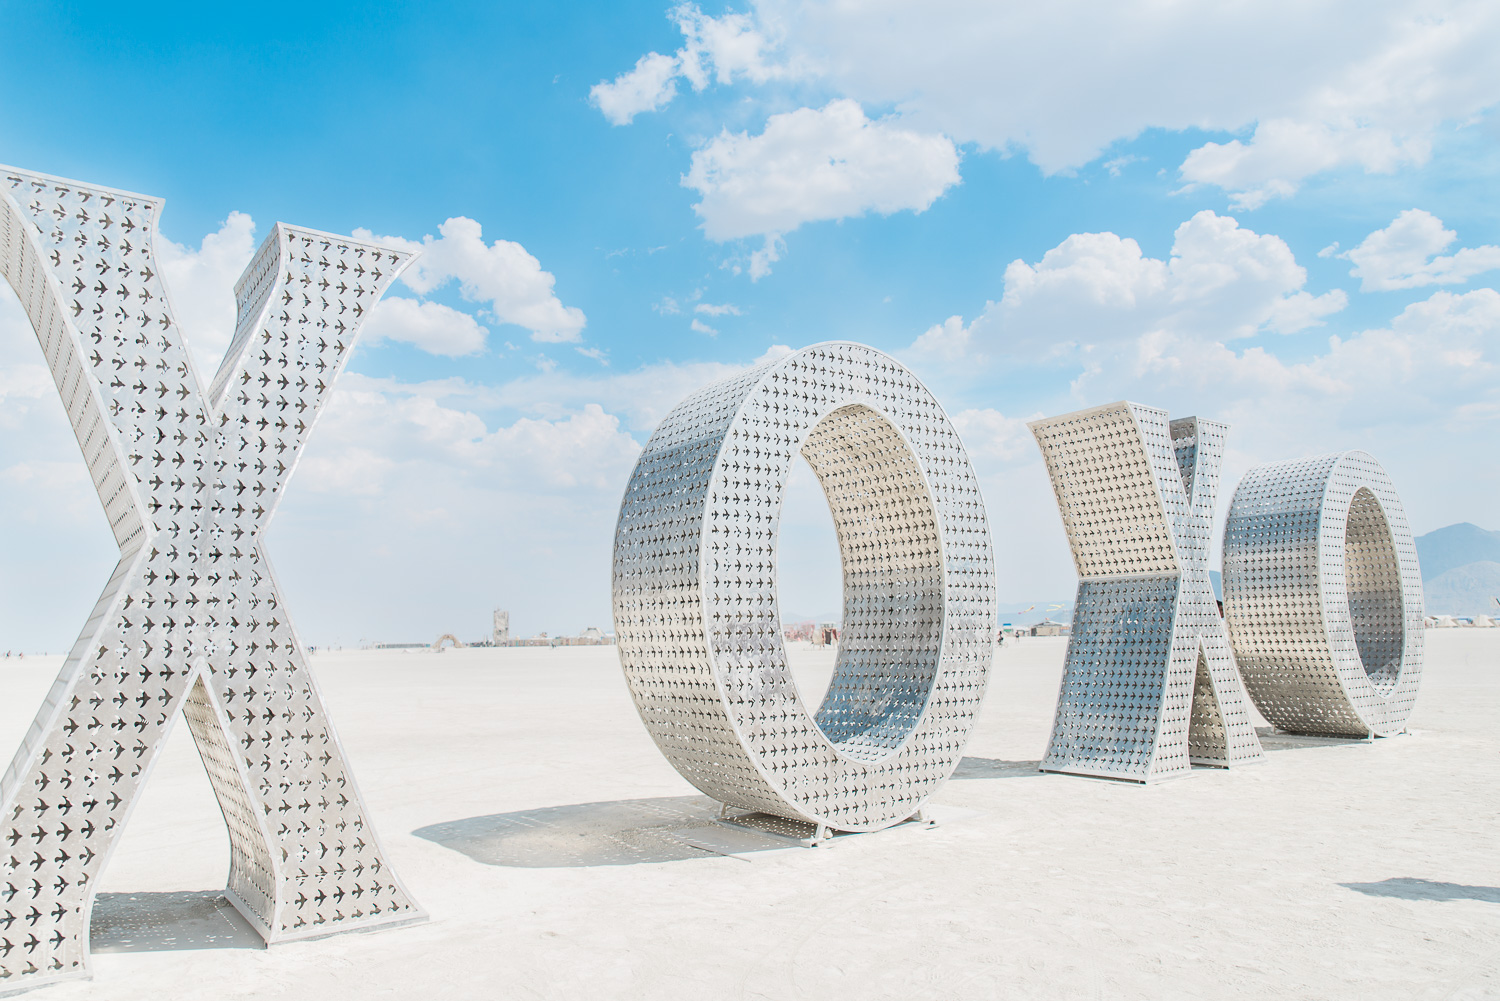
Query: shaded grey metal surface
x=168 y=921
x=1149 y=686
x=192 y=619
x=1323 y=596
x=617 y=832
x=623 y=832
x=695 y=609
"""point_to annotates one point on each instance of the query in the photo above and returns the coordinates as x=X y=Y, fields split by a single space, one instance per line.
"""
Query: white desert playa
x=561 y=856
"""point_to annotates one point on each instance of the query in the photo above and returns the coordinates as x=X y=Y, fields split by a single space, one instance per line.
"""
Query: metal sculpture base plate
x=803 y=834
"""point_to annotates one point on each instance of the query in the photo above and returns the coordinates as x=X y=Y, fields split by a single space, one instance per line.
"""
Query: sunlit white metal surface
x=1149 y=687
x=695 y=608
x=192 y=618
x=1323 y=596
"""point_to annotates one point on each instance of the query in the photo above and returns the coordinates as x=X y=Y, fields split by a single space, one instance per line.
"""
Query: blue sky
x=1278 y=215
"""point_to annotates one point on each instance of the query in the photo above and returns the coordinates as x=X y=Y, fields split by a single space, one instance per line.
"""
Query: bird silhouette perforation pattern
x=893 y=563
x=191 y=618
x=1149 y=686
x=695 y=590
x=1323 y=596
x=1372 y=581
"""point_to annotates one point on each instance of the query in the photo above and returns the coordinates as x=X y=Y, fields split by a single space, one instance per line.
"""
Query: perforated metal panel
x=696 y=618
x=192 y=618
x=1149 y=687
x=1323 y=596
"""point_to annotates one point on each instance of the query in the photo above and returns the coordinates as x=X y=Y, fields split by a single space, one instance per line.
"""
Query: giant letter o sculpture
x=1323 y=596
x=695 y=590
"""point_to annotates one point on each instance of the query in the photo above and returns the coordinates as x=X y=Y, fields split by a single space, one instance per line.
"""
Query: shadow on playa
x=616 y=832
x=1411 y=888
x=995 y=768
x=632 y=831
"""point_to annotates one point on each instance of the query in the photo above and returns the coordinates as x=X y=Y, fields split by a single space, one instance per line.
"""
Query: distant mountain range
x=1460 y=570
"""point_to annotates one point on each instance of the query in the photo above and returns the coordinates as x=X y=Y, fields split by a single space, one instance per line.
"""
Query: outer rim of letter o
x=697 y=624
x=1323 y=595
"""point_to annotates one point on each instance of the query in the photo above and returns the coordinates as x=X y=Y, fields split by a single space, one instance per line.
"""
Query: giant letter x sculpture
x=192 y=616
x=1149 y=686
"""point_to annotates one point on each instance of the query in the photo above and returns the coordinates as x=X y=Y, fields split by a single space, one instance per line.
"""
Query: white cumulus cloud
x=1421 y=393
x=1309 y=85
x=988 y=434
x=201 y=285
x=816 y=164
x=431 y=326
x=948 y=340
x=726 y=47
x=642 y=396
x=1282 y=152
x=410 y=482
x=714 y=48
x=651 y=84
x=1406 y=254
x=478 y=496
x=1432 y=375
x=1097 y=294
x=1418 y=392
x=501 y=275
x=408 y=426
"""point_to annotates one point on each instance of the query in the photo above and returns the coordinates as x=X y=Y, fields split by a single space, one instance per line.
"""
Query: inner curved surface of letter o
x=1323 y=596
x=698 y=629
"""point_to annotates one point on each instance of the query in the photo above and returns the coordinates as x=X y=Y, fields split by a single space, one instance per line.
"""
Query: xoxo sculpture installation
x=695 y=608
x=192 y=618
x=1149 y=686
x=1323 y=596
